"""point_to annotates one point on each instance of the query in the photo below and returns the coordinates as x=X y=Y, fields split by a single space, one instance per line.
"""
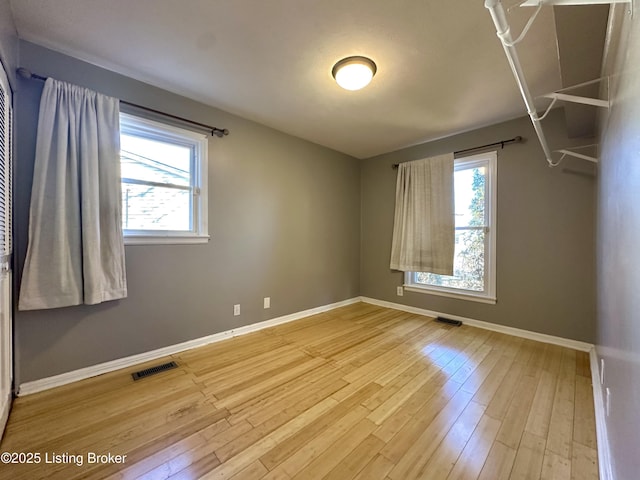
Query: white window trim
x=489 y=295
x=200 y=142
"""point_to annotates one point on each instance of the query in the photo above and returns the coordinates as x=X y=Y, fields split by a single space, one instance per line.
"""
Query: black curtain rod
x=502 y=143
x=218 y=132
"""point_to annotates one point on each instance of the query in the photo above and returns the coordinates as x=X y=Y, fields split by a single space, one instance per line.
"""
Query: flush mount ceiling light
x=354 y=73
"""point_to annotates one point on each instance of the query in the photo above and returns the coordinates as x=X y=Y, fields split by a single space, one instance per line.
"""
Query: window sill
x=165 y=240
x=445 y=293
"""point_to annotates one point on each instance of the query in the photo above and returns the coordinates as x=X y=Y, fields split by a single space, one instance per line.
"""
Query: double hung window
x=474 y=275
x=164 y=182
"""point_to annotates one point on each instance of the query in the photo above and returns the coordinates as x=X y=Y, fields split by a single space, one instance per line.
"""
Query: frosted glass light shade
x=354 y=73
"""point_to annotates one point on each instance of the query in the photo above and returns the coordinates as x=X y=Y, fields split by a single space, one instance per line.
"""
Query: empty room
x=312 y=239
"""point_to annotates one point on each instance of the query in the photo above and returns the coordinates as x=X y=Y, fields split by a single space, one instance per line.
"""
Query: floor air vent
x=448 y=321
x=153 y=370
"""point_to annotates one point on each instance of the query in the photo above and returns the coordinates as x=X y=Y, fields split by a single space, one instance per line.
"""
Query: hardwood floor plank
x=311 y=450
x=555 y=467
x=286 y=448
x=471 y=460
x=515 y=419
x=400 y=431
x=552 y=359
x=252 y=453
x=490 y=385
x=254 y=435
x=223 y=373
x=540 y=414
x=463 y=367
x=308 y=393
x=269 y=383
x=376 y=469
x=583 y=366
x=196 y=469
x=560 y=434
x=276 y=475
x=337 y=451
x=584 y=463
x=474 y=375
x=395 y=401
x=397 y=367
x=187 y=445
x=416 y=454
x=499 y=463
x=528 y=462
x=536 y=360
x=501 y=400
x=357 y=460
x=255 y=471
x=446 y=455
x=584 y=426
x=435 y=387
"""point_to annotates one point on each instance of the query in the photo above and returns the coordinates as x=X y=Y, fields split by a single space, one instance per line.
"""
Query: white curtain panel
x=424 y=223
x=76 y=250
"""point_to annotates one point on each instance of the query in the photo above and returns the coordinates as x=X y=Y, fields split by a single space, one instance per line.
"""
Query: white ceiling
x=441 y=68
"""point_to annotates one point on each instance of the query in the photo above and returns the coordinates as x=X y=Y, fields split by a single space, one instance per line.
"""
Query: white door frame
x=6 y=304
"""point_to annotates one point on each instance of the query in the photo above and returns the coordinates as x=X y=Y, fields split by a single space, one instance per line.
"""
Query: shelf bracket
x=539 y=3
x=596 y=102
x=536 y=3
x=564 y=152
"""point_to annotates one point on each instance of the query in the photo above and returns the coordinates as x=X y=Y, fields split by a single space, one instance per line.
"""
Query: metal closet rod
x=504 y=33
x=218 y=132
x=501 y=143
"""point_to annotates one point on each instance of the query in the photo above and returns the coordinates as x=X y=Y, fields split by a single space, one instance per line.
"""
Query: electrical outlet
x=236 y=310
x=608 y=401
x=267 y=302
x=400 y=291
x=602 y=371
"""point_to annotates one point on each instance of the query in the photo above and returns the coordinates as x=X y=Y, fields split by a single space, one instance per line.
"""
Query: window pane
x=470 y=190
x=147 y=207
x=154 y=161
x=468 y=264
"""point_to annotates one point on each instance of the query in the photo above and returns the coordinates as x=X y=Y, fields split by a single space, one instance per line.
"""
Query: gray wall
x=284 y=217
x=618 y=341
x=545 y=234
x=8 y=41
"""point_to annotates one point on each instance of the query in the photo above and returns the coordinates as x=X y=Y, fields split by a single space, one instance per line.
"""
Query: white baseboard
x=5 y=406
x=35 y=386
x=604 y=453
x=516 y=332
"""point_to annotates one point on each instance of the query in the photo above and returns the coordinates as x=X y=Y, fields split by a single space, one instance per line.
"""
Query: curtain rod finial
x=28 y=74
x=24 y=72
x=220 y=132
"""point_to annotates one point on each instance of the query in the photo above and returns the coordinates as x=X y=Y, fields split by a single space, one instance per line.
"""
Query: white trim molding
x=412 y=287
x=489 y=161
x=198 y=143
x=4 y=413
x=516 y=332
x=604 y=452
x=40 y=385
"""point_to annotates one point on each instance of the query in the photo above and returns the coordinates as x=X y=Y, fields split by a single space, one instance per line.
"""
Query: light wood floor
x=361 y=392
